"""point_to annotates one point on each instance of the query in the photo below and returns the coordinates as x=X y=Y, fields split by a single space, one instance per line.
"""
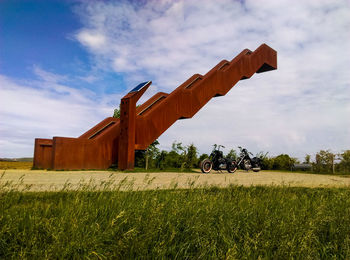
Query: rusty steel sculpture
x=115 y=140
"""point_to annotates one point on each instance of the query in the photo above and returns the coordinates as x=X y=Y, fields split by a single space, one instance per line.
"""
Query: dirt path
x=58 y=180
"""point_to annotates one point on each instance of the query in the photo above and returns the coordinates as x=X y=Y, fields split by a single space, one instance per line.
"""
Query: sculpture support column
x=126 y=150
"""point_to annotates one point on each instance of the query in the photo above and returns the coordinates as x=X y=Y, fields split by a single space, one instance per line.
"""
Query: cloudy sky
x=64 y=65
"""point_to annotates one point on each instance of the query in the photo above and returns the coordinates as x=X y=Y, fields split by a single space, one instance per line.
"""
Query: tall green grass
x=235 y=222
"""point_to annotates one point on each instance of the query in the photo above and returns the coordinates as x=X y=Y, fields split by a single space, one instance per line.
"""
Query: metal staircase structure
x=115 y=140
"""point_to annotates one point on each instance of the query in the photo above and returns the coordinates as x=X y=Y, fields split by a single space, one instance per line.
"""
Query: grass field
x=234 y=222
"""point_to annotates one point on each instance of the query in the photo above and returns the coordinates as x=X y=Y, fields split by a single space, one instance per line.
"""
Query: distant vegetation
x=23 y=159
x=230 y=223
x=186 y=157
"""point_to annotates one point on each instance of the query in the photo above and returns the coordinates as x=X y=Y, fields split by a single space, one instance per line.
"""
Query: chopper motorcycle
x=218 y=162
x=246 y=163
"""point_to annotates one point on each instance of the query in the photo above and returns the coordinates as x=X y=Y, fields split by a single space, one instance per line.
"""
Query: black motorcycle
x=246 y=163
x=218 y=162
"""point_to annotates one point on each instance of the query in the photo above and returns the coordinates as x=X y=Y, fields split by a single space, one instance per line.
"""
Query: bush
x=282 y=162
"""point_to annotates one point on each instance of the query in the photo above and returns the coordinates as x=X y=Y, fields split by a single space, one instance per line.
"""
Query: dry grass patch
x=4 y=165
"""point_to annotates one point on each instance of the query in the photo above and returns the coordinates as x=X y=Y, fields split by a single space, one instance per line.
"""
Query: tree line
x=187 y=157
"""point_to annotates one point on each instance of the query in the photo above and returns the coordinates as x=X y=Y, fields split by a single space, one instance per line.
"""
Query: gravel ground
x=37 y=180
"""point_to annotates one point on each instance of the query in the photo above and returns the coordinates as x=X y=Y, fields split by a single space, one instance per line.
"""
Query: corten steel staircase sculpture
x=115 y=140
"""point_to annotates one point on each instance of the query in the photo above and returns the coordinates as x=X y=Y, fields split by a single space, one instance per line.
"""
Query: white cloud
x=92 y=39
x=43 y=109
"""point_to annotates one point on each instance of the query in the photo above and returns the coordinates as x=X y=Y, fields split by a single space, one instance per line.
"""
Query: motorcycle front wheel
x=232 y=167
x=206 y=166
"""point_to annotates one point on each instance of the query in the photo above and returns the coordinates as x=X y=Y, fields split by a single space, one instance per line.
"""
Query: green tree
x=177 y=155
x=116 y=113
x=307 y=158
x=178 y=148
x=201 y=158
x=151 y=154
x=344 y=165
x=266 y=162
x=160 y=160
x=232 y=154
x=283 y=162
x=172 y=160
x=191 y=156
x=324 y=161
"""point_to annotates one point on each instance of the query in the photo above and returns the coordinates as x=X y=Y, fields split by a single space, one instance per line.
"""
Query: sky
x=65 y=65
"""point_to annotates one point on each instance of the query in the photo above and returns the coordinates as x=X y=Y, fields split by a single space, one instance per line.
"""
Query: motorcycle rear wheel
x=232 y=167
x=206 y=166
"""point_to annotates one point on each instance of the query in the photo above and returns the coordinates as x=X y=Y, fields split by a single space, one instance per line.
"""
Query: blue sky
x=64 y=65
x=42 y=34
x=37 y=32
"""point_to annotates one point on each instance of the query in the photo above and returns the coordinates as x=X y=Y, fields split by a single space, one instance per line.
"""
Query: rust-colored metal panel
x=114 y=141
x=42 y=154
